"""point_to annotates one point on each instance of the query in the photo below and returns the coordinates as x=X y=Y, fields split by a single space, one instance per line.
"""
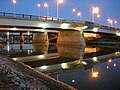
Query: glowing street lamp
x=111 y=22
x=14 y=3
x=98 y=16
x=47 y=7
x=115 y=23
x=79 y=14
x=108 y=20
x=73 y=10
x=95 y=10
x=38 y=10
x=58 y=2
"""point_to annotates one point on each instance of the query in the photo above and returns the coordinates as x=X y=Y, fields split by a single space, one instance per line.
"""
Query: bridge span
x=70 y=32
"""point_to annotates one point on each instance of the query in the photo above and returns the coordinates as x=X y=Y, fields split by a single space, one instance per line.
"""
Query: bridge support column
x=72 y=38
x=21 y=37
x=41 y=38
x=21 y=40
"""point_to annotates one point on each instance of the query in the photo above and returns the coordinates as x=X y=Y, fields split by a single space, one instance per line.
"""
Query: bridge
x=70 y=32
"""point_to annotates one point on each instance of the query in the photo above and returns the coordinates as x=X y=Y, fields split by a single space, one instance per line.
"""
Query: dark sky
x=108 y=8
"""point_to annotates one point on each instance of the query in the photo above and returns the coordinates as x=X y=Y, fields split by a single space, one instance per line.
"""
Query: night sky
x=108 y=8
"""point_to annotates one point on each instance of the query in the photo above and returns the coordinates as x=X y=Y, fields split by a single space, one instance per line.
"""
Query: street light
x=79 y=14
x=98 y=16
x=108 y=20
x=47 y=7
x=111 y=22
x=14 y=3
x=74 y=11
x=38 y=10
x=115 y=23
x=95 y=10
x=58 y=2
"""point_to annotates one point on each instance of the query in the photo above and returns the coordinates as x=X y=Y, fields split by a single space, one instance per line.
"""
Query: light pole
x=95 y=10
x=14 y=3
x=115 y=23
x=74 y=11
x=58 y=2
x=80 y=15
x=47 y=7
x=111 y=23
x=108 y=20
x=38 y=10
x=98 y=16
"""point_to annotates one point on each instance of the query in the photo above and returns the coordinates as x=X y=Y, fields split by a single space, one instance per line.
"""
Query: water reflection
x=54 y=61
x=71 y=52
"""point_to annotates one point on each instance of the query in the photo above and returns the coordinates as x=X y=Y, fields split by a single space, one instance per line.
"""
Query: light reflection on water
x=85 y=68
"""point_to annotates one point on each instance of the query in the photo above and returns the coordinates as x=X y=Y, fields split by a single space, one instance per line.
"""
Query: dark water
x=85 y=68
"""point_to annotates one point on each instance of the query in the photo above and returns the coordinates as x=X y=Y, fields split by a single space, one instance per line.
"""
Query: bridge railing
x=48 y=18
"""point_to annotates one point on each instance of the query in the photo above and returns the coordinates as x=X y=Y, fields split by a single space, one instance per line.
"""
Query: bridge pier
x=41 y=38
x=21 y=37
x=71 y=38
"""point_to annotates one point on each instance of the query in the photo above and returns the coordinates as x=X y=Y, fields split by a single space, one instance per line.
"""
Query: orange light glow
x=91 y=50
x=95 y=74
x=109 y=60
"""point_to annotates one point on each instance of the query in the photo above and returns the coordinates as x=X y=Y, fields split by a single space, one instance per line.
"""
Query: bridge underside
x=69 y=38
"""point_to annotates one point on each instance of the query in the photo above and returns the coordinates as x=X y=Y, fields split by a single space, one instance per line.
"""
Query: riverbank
x=17 y=76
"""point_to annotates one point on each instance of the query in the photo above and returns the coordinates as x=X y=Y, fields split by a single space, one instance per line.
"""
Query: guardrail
x=48 y=18
x=34 y=17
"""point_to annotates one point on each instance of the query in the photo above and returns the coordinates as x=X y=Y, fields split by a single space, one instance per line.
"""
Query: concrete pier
x=71 y=38
x=41 y=38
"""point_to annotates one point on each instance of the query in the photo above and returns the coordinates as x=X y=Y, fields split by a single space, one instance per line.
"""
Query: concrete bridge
x=70 y=32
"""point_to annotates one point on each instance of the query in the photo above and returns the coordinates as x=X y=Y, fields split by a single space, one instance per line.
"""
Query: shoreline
x=18 y=76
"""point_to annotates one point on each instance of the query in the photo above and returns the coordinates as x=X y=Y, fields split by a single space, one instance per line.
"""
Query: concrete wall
x=41 y=38
x=71 y=38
